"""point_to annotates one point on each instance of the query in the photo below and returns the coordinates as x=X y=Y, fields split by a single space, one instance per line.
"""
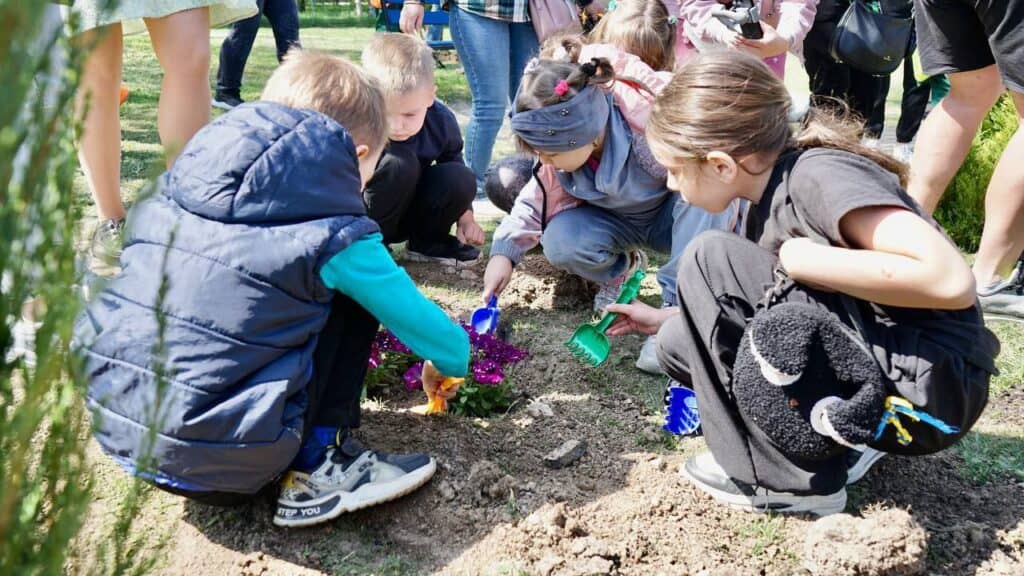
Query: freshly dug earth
x=495 y=508
x=885 y=543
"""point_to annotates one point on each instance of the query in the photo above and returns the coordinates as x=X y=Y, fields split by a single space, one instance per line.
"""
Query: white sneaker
x=648 y=358
x=873 y=143
x=609 y=292
x=903 y=151
x=860 y=461
x=351 y=477
x=707 y=475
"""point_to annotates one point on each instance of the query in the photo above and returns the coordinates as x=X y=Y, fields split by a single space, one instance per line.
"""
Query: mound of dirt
x=539 y=285
x=487 y=482
x=884 y=543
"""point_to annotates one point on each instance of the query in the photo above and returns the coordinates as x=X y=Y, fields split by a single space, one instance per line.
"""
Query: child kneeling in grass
x=248 y=363
x=832 y=228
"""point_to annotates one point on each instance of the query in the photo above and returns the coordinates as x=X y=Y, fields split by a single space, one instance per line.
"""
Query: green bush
x=962 y=210
x=45 y=478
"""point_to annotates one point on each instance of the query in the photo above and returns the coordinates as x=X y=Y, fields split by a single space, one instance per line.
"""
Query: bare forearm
x=881 y=277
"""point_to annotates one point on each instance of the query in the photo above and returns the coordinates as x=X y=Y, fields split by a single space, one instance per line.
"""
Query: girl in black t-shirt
x=831 y=228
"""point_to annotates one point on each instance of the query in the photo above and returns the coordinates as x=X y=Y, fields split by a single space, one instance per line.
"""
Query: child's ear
x=362 y=150
x=722 y=165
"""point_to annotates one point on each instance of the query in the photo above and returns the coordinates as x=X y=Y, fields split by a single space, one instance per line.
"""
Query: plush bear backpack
x=812 y=386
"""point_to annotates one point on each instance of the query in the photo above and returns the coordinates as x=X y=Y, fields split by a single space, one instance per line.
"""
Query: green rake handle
x=628 y=293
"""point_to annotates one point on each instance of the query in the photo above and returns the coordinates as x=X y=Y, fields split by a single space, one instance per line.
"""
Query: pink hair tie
x=562 y=88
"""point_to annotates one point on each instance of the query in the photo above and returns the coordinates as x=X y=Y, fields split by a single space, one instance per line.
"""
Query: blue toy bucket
x=682 y=417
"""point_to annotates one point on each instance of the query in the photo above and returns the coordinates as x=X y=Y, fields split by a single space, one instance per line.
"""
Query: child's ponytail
x=548 y=82
x=825 y=128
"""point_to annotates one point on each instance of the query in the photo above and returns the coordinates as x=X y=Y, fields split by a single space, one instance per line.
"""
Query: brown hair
x=400 y=62
x=537 y=88
x=643 y=28
x=334 y=87
x=733 y=103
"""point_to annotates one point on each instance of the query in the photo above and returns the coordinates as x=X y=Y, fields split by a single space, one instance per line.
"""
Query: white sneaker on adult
x=860 y=461
x=903 y=151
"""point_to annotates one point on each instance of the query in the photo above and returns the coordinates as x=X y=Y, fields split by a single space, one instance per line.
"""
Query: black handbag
x=869 y=41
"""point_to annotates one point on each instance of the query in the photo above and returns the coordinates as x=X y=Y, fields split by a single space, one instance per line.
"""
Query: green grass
x=762 y=532
x=1011 y=357
x=992 y=454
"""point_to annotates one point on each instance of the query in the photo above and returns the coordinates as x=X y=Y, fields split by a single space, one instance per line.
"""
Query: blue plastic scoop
x=682 y=416
x=485 y=320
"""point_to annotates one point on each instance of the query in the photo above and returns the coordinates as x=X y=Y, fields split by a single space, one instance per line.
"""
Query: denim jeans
x=493 y=54
x=592 y=242
x=234 y=52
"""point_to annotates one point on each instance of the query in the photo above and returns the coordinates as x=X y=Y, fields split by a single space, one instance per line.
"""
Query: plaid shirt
x=507 y=10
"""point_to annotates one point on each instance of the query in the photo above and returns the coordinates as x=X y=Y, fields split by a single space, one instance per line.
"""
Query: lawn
x=494 y=508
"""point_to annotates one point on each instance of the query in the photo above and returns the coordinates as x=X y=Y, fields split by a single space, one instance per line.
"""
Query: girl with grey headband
x=620 y=203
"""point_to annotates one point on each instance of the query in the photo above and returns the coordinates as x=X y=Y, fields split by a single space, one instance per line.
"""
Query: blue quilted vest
x=258 y=201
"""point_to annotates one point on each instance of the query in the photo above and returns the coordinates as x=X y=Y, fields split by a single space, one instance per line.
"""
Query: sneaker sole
x=812 y=504
x=452 y=262
x=861 y=467
x=312 y=512
x=222 y=105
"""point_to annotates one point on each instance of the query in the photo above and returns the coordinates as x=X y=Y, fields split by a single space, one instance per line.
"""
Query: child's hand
x=497 y=276
x=439 y=388
x=468 y=231
x=638 y=317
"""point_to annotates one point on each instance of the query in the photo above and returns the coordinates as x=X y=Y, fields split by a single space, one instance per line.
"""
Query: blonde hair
x=400 y=62
x=643 y=28
x=732 y=102
x=334 y=87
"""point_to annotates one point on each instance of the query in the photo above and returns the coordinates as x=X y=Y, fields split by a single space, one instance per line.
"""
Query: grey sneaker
x=648 y=358
x=1005 y=300
x=609 y=292
x=706 y=474
x=350 y=478
x=106 y=243
x=859 y=462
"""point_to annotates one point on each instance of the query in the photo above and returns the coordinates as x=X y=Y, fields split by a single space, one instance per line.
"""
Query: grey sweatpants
x=722 y=278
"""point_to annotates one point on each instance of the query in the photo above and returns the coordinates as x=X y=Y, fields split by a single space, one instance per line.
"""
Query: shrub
x=962 y=209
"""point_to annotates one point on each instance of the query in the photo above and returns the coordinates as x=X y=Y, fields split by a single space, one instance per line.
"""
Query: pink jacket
x=792 y=19
x=524 y=224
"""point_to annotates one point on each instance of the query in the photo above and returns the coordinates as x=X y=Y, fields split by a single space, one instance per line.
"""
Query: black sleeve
x=452 y=149
x=826 y=185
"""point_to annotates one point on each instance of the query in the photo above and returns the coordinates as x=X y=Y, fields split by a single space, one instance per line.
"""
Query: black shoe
x=226 y=101
x=350 y=477
x=449 y=252
x=706 y=474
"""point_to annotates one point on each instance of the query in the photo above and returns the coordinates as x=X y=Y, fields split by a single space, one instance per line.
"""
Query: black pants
x=722 y=278
x=234 y=52
x=831 y=81
x=416 y=203
x=339 y=368
x=914 y=103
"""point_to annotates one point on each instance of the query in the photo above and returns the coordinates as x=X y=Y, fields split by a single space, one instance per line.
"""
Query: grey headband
x=567 y=125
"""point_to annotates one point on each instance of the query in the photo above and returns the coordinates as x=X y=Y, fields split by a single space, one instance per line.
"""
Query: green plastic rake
x=589 y=343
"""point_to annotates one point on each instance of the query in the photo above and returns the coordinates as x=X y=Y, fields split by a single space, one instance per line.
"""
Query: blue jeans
x=493 y=54
x=234 y=52
x=592 y=242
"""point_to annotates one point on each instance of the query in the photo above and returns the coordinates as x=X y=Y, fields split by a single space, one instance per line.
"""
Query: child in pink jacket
x=785 y=24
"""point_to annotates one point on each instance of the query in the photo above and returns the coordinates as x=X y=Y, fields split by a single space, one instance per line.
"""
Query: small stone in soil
x=565 y=455
x=446 y=490
x=539 y=409
x=658 y=464
x=586 y=485
x=468 y=275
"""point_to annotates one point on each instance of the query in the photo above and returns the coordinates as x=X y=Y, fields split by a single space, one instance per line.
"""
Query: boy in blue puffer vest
x=276 y=280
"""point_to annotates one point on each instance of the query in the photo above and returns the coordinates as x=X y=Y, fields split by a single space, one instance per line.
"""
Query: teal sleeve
x=366 y=273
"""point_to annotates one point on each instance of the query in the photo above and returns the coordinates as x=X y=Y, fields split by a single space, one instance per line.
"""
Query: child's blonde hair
x=334 y=87
x=400 y=62
x=643 y=28
x=732 y=102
